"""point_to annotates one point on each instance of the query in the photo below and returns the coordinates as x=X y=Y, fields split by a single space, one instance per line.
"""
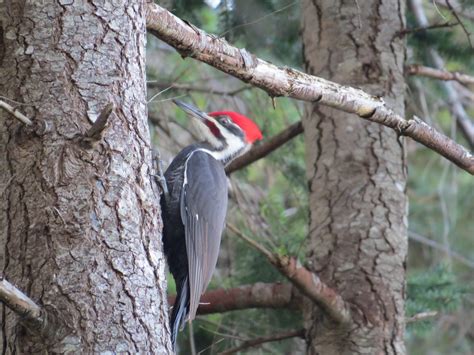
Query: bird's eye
x=225 y=120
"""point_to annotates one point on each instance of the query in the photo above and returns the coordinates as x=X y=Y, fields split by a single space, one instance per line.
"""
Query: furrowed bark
x=80 y=227
x=284 y=81
x=356 y=172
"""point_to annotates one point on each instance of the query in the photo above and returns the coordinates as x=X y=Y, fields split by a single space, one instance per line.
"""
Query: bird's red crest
x=252 y=131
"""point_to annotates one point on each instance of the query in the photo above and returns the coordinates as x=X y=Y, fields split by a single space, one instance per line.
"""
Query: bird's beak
x=193 y=111
x=206 y=125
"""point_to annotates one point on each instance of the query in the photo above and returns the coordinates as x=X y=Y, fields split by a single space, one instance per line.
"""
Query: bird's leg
x=159 y=176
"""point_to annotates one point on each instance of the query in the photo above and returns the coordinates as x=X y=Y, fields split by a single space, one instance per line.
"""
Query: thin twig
x=435 y=245
x=406 y=31
x=463 y=26
x=194 y=88
x=266 y=148
x=267 y=253
x=464 y=12
x=159 y=93
x=259 y=19
x=261 y=340
x=465 y=95
x=10 y=109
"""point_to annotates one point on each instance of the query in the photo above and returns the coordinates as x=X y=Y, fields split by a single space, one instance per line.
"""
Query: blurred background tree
x=270 y=198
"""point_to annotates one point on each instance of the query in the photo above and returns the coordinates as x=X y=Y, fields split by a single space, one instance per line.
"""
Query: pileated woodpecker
x=194 y=207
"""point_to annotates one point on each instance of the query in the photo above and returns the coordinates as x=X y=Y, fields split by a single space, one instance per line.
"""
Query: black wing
x=203 y=211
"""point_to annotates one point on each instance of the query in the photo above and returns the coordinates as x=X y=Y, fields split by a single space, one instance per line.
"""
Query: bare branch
x=261 y=340
x=307 y=282
x=466 y=13
x=406 y=31
x=462 y=118
x=421 y=316
x=95 y=132
x=284 y=81
x=261 y=151
x=465 y=95
x=194 y=88
x=272 y=258
x=10 y=109
x=18 y=302
x=416 y=69
x=438 y=246
x=456 y=16
x=258 y=295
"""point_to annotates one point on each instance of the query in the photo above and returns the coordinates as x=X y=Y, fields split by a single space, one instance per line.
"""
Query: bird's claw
x=159 y=176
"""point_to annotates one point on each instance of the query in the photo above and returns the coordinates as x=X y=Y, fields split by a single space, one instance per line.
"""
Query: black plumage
x=193 y=216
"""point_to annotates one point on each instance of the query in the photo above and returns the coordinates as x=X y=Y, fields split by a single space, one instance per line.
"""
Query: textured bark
x=356 y=172
x=80 y=226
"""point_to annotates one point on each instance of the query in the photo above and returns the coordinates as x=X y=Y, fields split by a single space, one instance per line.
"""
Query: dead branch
x=17 y=114
x=416 y=69
x=95 y=132
x=19 y=303
x=284 y=81
x=406 y=31
x=465 y=95
x=304 y=280
x=261 y=340
x=261 y=151
x=258 y=295
x=462 y=118
x=421 y=316
x=438 y=246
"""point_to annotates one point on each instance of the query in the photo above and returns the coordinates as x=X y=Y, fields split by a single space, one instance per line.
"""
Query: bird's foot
x=159 y=175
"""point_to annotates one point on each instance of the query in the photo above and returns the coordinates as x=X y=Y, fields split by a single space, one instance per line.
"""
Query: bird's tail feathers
x=180 y=310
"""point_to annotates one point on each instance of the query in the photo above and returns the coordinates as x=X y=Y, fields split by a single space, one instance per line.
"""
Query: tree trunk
x=80 y=226
x=357 y=175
